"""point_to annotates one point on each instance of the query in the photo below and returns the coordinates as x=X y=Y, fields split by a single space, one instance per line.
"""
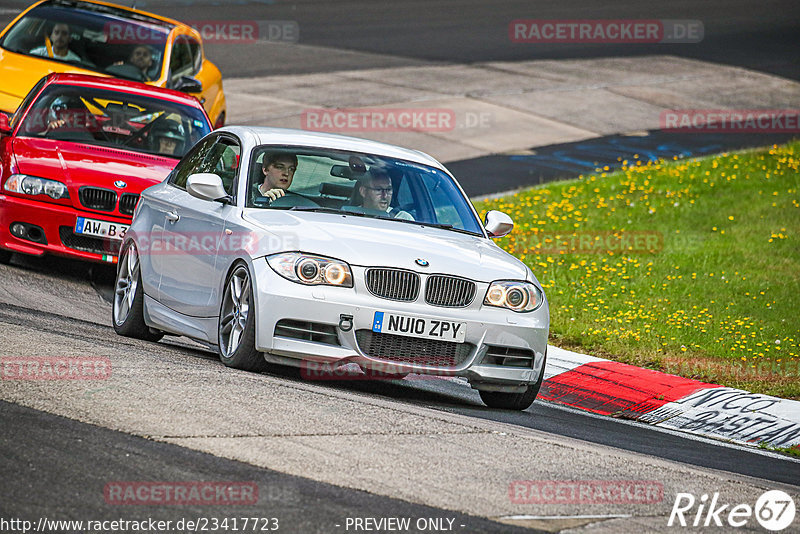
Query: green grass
x=791 y=451
x=708 y=286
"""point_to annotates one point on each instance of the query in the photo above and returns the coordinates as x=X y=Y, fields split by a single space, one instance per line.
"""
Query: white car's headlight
x=33 y=185
x=311 y=270
x=514 y=295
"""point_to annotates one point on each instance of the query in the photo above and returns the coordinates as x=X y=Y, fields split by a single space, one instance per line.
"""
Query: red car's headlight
x=33 y=185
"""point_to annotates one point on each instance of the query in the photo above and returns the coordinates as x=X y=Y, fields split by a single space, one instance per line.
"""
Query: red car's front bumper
x=58 y=223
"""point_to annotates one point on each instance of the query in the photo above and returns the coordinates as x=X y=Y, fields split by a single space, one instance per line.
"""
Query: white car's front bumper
x=493 y=335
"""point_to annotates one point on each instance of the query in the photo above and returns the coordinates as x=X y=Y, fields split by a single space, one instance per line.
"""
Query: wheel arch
x=235 y=262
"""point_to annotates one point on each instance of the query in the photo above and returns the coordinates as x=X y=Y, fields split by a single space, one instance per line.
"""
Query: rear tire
x=514 y=401
x=127 y=310
x=237 y=318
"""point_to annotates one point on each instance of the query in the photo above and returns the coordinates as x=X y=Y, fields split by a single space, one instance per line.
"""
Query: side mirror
x=498 y=224
x=188 y=84
x=5 y=127
x=207 y=186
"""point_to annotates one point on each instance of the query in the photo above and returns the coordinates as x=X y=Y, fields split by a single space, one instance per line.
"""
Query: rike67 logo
x=774 y=510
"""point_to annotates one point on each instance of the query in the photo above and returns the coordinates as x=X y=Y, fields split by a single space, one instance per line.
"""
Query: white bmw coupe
x=308 y=249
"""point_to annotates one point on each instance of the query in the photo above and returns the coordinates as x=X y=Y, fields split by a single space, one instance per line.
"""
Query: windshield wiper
x=322 y=209
x=436 y=225
x=450 y=227
x=443 y=226
x=314 y=208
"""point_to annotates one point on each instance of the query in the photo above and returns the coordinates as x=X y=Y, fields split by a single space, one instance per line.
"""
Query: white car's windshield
x=114 y=118
x=366 y=185
x=94 y=37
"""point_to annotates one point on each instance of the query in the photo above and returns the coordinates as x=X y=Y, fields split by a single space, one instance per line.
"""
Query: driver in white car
x=278 y=169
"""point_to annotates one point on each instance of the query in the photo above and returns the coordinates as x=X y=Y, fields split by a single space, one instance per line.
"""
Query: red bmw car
x=77 y=153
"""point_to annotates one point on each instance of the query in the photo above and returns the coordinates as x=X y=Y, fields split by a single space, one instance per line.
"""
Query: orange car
x=89 y=37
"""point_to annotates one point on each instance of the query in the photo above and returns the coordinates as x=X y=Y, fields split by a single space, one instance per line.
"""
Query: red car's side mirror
x=5 y=127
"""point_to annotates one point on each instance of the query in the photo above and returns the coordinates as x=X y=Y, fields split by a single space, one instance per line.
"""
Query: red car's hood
x=77 y=165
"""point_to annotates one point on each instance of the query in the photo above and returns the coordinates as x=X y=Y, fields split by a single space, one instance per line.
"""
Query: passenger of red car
x=170 y=138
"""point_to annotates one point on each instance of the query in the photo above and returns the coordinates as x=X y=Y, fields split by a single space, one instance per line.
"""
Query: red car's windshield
x=114 y=118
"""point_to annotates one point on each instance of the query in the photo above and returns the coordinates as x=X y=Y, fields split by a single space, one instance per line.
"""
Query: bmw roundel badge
x=120 y=184
x=421 y=262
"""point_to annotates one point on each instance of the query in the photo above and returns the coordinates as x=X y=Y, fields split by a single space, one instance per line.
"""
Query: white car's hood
x=370 y=242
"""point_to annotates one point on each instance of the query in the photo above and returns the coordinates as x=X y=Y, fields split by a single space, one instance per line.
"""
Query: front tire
x=514 y=401
x=5 y=256
x=237 y=317
x=127 y=311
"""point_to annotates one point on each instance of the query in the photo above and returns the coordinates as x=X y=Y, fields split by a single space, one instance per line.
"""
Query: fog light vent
x=307 y=331
x=28 y=232
x=509 y=357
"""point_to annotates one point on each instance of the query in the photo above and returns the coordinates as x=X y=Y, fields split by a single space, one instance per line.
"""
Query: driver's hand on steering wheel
x=272 y=194
x=56 y=124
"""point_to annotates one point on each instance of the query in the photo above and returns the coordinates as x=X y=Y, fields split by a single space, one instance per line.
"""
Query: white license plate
x=94 y=227
x=409 y=325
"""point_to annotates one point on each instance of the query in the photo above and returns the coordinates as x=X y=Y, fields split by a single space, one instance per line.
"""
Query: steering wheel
x=140 y=134
x=128 y=71
x=291 y=199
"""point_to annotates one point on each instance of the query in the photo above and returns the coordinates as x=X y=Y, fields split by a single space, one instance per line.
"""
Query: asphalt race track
x=57 y=467
x=322 y=453
x=364 y=34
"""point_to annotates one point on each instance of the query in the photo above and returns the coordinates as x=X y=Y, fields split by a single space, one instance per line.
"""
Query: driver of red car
x=68 y=116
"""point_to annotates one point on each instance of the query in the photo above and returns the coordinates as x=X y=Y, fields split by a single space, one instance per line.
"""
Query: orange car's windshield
x=94 y=37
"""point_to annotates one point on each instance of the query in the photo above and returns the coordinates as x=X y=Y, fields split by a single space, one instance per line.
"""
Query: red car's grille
x=95 y=198
x=127 y=203
x=96 y=245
